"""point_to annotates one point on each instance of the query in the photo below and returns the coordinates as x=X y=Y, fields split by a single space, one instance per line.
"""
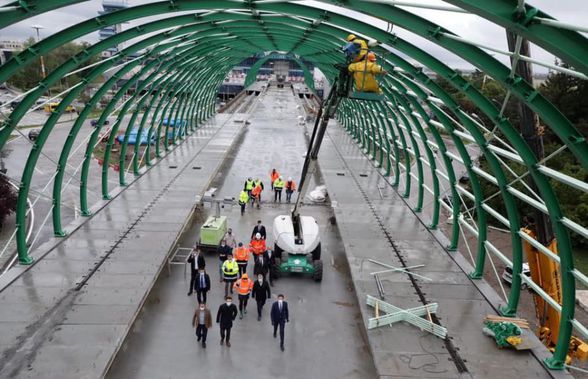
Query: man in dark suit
x=270 y=257
x=280 y=316
x=261 y=266
x=196 y=260
x=259 y=228
x=202 y=285
x=261 y=292
x=226 y=314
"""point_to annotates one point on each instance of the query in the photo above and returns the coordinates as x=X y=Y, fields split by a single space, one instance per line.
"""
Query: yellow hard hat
x=371 y=57
x=350 y=37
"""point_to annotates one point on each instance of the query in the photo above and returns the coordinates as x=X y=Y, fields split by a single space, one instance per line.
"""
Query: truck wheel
x=316 y=253
x=317 y=275
x=276 y=269
x=278 y=251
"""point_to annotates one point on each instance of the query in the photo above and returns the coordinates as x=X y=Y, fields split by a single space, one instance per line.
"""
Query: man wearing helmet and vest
x=356 y=48
x=230 y=273
x=290 y=188
x=241 y=255
x=278 y=186
x=243 y=199
x=257 y=245
x=243 y=287
x=364 y=74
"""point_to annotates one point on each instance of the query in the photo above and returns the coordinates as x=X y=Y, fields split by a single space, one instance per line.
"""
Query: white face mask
x=280 y=302
x=201 y=308
x=229 y=302
x=260 y=279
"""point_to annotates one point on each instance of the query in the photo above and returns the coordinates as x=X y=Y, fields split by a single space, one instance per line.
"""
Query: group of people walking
x=233 y=264
x=252 y=190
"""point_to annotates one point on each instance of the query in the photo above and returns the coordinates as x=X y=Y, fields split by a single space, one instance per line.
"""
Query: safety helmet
x=371 y=57
x=258 y=235
x=350 y=37
x=280 y=177
x=289 y=178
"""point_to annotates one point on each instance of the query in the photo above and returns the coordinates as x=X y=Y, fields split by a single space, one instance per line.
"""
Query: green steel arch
x=189 y=55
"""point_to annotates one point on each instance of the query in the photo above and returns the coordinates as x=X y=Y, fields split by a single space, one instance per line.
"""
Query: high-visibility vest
x=256 y=191
x=241 y=254
x=274 y=176
x=257 y=246
x=258 y=183
x=243 y=197
x=248 y=185
x=230 y=268
x=243 y=286
x=279 y=184
x=291 y=185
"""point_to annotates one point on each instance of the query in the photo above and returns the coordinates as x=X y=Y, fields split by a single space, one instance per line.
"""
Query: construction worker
x=243 y=287
x=223 y=252
x=355 y=49
x=258 y=182
x=256 y=195
x=364 y=74
x=278 y=186
x=248 y=185
x=257 y=245
x=290 y=188
x=243 y=199
x=241 y=254
x=230 y=273
x=273 y=176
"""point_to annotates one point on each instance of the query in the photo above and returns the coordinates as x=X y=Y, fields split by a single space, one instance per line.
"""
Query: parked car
x=507 y=274
x=94 y=123
x=34 y=134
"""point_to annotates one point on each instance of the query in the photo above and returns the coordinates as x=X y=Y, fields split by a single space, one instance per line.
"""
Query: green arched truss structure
x=252 y=74
x=194 y=44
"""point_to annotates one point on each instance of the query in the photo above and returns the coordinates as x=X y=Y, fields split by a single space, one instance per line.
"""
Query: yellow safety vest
x=365 y=77
x=230 y=268
x=279 y=184
x=243 y=197
x=249 y=185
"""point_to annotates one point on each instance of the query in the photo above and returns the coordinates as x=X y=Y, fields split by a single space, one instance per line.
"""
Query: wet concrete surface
x=325 y=335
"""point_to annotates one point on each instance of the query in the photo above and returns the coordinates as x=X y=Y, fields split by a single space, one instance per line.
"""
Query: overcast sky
x=468 y=26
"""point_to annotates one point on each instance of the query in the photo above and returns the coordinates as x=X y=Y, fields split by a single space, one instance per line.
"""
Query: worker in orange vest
x=243 y=287
x=290 y=188
x=257 y=245
x=241 y=254
x=273 y=176
x=256 y=195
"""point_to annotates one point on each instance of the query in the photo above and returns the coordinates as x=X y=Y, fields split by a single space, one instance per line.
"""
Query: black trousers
x=277 y=194
x=281 y=325
x=193 y=277
x=201 y=296
x=202 y=332
x=243 y=205
x=243 y=299
x=242 y=268
x=260 y=305
x=225 y=333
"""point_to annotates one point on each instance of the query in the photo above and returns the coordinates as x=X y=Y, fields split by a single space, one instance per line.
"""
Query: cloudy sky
x=471 y=27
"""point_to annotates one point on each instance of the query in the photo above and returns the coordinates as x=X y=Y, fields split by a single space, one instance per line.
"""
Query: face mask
x=229 y=302
x=280 y=301
x=260 y=279
x=201 y=308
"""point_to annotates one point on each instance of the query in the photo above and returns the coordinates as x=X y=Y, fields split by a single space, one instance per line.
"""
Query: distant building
x=8 y=49
x=110 y=30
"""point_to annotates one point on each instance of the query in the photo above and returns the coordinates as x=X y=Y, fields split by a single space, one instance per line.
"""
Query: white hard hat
x=258 y=235
x=280 y=177
x=289 y=178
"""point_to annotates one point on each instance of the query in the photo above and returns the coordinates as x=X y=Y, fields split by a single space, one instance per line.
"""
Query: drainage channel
x=451 y=348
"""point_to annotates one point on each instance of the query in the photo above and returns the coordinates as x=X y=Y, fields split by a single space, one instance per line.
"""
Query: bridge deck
x=67 y=315
x=363 y=197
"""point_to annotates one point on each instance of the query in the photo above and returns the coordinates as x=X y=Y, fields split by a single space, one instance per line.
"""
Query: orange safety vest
x=291 y=186
x=274 y=176
x=241 y=254
x=256 y=191
x=243 y=286
x=257 y=247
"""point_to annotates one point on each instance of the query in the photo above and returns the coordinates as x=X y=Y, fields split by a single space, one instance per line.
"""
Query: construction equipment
x=545 y=272
x=295 y=234
x=215 y=227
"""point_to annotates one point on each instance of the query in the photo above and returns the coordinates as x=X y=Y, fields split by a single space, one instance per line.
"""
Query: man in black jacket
x=202 y=286
x=280 y=316
x=226 y=314
x=261 y=266
x=259 y=228
x=223 y=252
x=196 y=260
x=261 y=292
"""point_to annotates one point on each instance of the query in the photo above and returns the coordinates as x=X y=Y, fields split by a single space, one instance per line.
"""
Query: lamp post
x=37 y=28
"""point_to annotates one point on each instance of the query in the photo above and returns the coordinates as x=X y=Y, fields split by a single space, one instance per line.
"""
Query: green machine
x=215 y=227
